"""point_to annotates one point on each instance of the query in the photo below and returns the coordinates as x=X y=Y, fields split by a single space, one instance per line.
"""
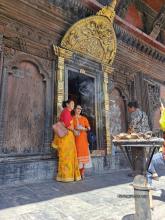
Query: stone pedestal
x=142 y=198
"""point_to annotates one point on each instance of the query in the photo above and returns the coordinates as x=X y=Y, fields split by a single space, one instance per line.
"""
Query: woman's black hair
x=133 y=104
x=64 y=103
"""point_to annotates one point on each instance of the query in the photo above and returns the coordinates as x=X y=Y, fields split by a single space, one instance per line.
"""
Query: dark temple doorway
x=82 y=89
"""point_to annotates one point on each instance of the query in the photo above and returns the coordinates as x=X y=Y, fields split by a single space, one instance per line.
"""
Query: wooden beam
x=123 y=7
x=158 y=23
x=127 y=26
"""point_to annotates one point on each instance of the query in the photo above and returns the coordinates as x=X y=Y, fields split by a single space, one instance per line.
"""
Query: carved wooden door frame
x=7 y=69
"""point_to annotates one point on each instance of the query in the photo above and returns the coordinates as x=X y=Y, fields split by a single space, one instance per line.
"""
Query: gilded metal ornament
x=108 y=11
x=94 y=36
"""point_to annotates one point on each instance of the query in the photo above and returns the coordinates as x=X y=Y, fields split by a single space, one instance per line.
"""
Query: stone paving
x=95 y=198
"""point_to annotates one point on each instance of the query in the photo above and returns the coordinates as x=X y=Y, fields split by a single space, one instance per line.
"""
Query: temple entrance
x=81 y=87
x=84 y=63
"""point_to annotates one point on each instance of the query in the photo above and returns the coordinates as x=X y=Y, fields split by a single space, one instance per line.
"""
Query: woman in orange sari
x=68 y=169
x=82 y=125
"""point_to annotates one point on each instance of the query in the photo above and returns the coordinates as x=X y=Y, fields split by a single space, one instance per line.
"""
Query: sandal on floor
x=155 y=177
x=82 y=176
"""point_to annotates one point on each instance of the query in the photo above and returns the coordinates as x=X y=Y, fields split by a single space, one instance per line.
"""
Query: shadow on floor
x=161 y=197
x=38 y=192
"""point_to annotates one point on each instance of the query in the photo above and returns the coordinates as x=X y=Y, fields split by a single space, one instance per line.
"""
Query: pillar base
x=143 y=198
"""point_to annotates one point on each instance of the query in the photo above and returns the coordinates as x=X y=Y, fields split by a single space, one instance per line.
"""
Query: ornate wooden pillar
x=107 y=70
x=2 y=89
x=62 y=55
x=1 y=55
x=60 y=83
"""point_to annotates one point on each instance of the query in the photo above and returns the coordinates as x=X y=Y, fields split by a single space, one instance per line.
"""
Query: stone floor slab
x=95 y=198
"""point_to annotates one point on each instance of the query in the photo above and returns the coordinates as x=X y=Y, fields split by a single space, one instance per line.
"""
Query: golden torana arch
x=94 y=36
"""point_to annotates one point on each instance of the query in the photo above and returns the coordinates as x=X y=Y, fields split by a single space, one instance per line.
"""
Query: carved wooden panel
x=24 y=110
x=117 y=113
x=148 y=94
x=156 y=118
x=1 y=55
x=162 y=92
x=0 y=65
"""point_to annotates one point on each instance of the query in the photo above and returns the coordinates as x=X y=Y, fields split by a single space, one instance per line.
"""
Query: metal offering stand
x=139 y=153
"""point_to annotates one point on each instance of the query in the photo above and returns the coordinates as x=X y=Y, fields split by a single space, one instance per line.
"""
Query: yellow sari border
x=67 y=179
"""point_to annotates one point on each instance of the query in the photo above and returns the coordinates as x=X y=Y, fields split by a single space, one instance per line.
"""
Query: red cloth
x=66 y=117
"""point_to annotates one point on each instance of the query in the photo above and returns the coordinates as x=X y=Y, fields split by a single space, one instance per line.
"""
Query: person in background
x=138 y=123
x=157 y=160
x=138 y=119
x=68 y=169
x=81 y=124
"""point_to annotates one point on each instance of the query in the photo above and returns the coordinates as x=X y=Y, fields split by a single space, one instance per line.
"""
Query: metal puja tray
x=156 y=142
x=140 y=146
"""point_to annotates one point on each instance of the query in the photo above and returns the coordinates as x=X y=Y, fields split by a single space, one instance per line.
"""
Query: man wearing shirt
x=138 y=123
